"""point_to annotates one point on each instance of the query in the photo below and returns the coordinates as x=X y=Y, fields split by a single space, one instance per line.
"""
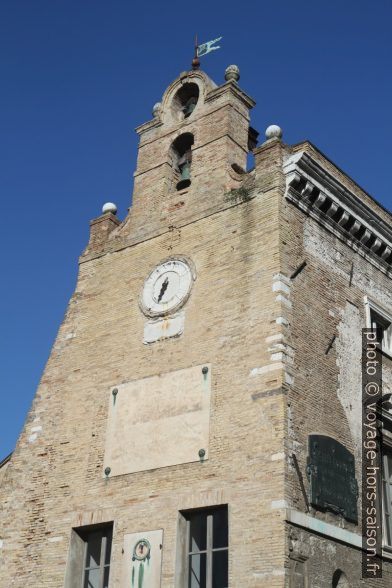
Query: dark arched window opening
x=182 y=160
x=186 y=99
x=339 y=580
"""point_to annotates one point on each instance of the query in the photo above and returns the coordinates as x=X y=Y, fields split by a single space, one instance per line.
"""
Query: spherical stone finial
x=156 y=109
x=109 y=207
x=273 y=132
x=232 y=73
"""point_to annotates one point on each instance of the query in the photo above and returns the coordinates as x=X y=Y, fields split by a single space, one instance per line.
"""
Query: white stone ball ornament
x=156 y=109
x=109 y=207
x=273 y=132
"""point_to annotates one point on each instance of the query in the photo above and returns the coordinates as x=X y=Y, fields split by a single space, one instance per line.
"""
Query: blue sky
x=78 y=75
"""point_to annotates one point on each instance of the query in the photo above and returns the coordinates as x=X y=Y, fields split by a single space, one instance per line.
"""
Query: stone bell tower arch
x=210 y=124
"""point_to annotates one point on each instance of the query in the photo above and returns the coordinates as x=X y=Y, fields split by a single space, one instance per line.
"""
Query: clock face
x=167 y=287
x=141 y=550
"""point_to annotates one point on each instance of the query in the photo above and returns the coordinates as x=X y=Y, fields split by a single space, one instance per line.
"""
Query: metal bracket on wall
x=330 y=345
x=298 y=270
x=301 y=480
x=351 y=274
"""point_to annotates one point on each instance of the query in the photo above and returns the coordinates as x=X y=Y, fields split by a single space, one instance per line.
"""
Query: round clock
x=167 y=287
x=141 y=550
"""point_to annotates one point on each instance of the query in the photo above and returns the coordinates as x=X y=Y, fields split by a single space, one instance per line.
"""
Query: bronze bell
x=185 y=171
x=189 y=106
x=185 y=175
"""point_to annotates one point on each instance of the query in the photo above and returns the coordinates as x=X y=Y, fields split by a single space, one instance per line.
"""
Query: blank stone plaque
x=158 y=421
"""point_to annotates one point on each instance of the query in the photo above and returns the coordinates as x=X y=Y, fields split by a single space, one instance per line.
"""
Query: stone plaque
x=142 y=560
x=158 y=421
x=164 y=328
x=331 y=472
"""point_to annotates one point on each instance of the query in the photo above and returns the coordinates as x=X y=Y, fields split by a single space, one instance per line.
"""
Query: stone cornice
x=130 y=240
x=315 y=191
x=232 y=88
x=4 y=461
x=150 y=124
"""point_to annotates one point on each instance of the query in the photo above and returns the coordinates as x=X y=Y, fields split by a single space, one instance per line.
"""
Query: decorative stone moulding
x=320 y=195
x=232 y=73
x=171 y=107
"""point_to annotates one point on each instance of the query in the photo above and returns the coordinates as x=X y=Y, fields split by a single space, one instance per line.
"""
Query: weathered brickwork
x=264 y=334
x=326 y=318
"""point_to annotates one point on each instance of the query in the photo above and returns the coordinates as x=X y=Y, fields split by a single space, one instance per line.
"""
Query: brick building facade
x=213 y=336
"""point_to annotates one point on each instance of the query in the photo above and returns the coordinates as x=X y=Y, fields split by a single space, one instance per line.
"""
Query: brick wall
x=264 y=334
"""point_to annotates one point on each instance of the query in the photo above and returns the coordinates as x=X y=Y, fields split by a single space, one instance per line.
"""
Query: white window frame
x=183 y=545
x=77 y=568
x=384 y=500
x=103 y=566
x=387 y=497
x=386 y=317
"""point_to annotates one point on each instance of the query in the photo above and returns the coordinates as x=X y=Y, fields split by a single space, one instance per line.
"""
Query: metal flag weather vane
x=203 y=49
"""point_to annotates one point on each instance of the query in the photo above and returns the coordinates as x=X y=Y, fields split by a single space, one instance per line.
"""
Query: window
x=98 y=545
x=89 y=557
x=384 y=331
x=181 y=155
x=387 y=498
x=381 y=320
x=206 y=548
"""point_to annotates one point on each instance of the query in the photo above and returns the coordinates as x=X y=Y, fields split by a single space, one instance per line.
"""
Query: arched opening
x=181 y=151
x=185 y=100
x=339 y=580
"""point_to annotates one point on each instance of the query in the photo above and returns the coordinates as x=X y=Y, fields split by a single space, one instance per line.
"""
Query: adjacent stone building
x=198 y=423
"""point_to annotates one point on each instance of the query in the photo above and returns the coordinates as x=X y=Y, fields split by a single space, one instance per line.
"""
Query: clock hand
x=163 y=288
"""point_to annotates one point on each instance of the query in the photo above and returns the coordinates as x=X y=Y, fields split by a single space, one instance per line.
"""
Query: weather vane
x=203 y=49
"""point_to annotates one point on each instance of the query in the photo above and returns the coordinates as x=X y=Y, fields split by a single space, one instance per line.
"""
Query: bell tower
x=144 y=454
x=188 y=152
x=199 y=422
